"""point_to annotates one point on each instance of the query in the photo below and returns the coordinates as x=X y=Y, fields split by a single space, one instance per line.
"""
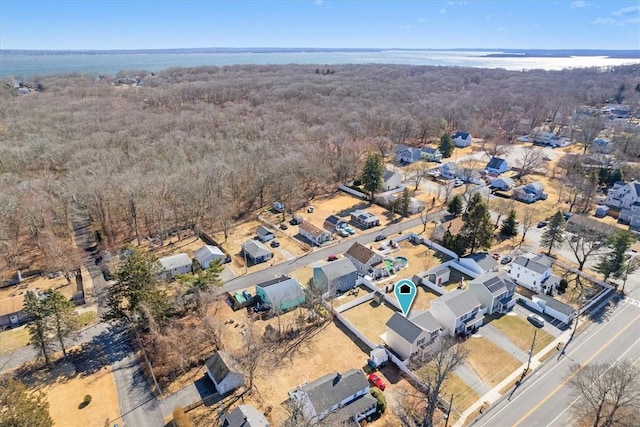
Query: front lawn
x=520 y=332
x=491 y=363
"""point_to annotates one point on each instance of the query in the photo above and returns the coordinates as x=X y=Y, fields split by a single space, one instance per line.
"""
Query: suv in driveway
x=536 y=320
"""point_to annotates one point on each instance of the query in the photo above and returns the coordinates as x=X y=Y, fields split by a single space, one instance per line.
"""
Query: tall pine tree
x=39 y=326
x=614 y=262
x=446 y=146
x=372 y=174
x=63 y=318
x=478 y=229
x=553 y=236
x=509 y=226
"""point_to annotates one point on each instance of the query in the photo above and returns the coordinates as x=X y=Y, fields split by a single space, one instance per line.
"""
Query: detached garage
x=554 y=308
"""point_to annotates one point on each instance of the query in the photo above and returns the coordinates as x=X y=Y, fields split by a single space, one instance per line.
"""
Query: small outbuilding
x=554 y=308
x=208 y=254
x=175 y=264
x=225 y=372
x=264 y=234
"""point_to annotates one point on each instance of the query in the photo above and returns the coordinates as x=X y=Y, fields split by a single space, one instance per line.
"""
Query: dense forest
x=207 y=146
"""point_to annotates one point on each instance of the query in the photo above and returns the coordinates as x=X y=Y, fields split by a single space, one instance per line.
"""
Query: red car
x=375 y=381
x=332 y=258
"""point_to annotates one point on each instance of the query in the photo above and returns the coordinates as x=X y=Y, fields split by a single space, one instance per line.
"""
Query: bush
x=379 y=396
x=87 y=399
x=180 y=418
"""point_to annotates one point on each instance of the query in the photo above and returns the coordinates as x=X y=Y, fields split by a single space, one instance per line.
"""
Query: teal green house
x=281 y=294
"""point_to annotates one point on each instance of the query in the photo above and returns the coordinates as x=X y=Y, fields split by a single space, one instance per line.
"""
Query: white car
x=536 y=320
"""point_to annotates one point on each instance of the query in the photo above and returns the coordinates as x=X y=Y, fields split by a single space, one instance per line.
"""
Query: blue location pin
x=405 y=291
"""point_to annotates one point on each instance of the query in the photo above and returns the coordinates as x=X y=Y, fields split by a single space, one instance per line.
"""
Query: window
x=421 y=341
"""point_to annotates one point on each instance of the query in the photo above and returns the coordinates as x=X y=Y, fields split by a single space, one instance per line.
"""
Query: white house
x=554 y=308
x=462 y=139
x=391 y=180
x=450 y=170
x=431 y=154
x=315 y=235
x=471 y=175
x=497 y=166
x=364 y=219
x=405 y=154
x=530 y=193
x=225 y=372
x=347 y=392
x=173 y=265
x=458 y=312
x=363 y=257
x=503 y=183
x=480 y=263
x=207 y=254
x=264 y=234
x=623 y=195
x=495 y=291
x=533 y=271
x=407 y=337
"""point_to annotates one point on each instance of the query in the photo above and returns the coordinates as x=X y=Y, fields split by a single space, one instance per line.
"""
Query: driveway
x=494 y=335
x=196 y=391
x=470 y=378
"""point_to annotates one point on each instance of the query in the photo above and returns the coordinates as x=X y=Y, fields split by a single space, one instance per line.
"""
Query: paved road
x=544 y=399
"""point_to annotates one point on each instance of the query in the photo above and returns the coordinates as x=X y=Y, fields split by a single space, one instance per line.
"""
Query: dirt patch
x=423 y=299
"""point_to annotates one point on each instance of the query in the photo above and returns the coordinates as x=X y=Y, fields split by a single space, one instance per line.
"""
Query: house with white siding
x=407 y=336
x=533 y=271
x=458 y=312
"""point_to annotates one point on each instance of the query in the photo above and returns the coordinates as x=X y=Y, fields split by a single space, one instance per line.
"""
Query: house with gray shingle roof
x=225 y=372
x=282 y=293
x=495 y=291
x=496 y=166
x=533 y=271
x=256 y=252
x=173 y=265
x=554 y=308
x=335 y=276
x=479 y=263
x=407 y=336
x=343 y=396
x=462 y=139
x=458 y=312
x=244 y=416
x=391 y=180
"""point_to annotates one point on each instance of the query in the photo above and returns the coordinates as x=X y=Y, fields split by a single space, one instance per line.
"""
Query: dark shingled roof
x=557 y=305
x=328 y=390
x=244 y=416
x=221 y=364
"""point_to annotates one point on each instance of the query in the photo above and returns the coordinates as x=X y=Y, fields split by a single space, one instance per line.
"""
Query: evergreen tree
x=63 y=318
x=39 y=327
x=135 y=289
x=509 y=225
x=372 y=174
x=614 y=262
x=553 y=236
x=478 y=229
x=446 y=146
x=473 y=201
x=203 y=280
x=405 y=200
x=455 y=205
x=20 y=407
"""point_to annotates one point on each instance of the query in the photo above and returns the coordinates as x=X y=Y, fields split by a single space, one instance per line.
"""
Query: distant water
x=30 y=63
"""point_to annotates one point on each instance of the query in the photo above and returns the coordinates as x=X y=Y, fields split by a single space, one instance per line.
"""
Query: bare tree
x=527 y=221
x=425 y=216
x=590 y=127
x=606 y=394
x=495 y=148
x=586 y=240
x=531 y=160
x=418 y=170
x=500 y=207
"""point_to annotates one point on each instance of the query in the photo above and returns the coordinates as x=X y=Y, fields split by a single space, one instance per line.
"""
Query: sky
x=508 y=24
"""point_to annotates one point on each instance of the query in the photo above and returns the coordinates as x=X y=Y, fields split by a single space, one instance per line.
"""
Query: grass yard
x=420 y=258
x=13 y=339
x=370 y=318
x=520 y=332
x=491 y=363
x=463 y=395
x=423 y=299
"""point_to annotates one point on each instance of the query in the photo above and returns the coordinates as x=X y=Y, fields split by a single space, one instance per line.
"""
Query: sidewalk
x=494 y=394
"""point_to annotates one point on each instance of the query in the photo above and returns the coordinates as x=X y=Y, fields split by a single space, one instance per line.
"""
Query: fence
x=352 y=191
x=432 y=245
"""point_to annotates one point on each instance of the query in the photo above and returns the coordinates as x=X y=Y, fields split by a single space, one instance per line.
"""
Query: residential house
x=471 y=176
x=11 y=313
x=541 y=137
x=503 y=183
x=407 y=336
x=364 y=219
x=480 y=263
x=497 y=166
x=281 y=294
x=530 y=193
x=452 y=226
x=264 y=234
x=450 y=170
x=333 y=222
x=616 y=111
x=244 y=416
x=495 y=291
x=458 y=312
x=415 y=205
x=256 y=252
x=344 y=396
x=533 y=271
x=462 y=139
x=335 y=276
x=623 y=195
x=363 y=258
x=315 y=235
x=602 y=146
x=431 y=154
x=407 y=155
x=207 y=254
x=391 y=180
x=225 y=372
x=554 y=308
x=173 y=265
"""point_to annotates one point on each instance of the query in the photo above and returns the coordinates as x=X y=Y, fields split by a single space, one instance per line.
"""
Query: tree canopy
x=446 y=146
x=614 y=262
x=20 y=407
x=372 y=174
x=553 y=236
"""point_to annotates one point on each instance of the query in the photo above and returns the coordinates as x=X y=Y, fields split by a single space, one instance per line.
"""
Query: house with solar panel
x=364 y=219
x=495 y=291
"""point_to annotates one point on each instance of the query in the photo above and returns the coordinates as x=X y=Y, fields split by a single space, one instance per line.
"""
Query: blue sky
x=579 y=24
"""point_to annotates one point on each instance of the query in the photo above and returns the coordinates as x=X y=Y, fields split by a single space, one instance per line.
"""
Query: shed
x=282 y=293
x=264 y=234
x=207 y=254
x=440 y=276
x=225 y=372
x=601 y=211
x=554 y=308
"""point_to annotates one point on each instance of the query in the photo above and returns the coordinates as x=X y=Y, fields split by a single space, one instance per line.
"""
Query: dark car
x=506 y=260
x=283 y=226
x=275 y=244
x=376 y=381
x=543 y=224
x=332 y=258
x=380 y=237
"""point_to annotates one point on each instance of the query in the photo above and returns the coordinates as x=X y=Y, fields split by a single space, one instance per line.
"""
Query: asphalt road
x=544 y=399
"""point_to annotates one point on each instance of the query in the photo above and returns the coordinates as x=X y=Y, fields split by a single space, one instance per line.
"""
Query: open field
x=370 y=318
x=491 y=363
x=420 y=258
x=520 y=332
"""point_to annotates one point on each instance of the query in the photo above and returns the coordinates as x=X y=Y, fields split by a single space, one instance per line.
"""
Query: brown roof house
x=454 y=226
x=315 y=235
x=225 y=372
x=363 y=258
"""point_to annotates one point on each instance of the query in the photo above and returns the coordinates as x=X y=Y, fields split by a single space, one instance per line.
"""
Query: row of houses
x=407 y=155
x=625 y=198
x=173 y=265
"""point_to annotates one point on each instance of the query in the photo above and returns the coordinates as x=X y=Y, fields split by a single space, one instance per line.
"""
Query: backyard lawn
x=520 y=332
x=423 y=299
x=370 y=318
x=491 y=363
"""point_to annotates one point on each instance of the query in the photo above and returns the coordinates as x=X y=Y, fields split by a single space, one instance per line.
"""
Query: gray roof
x=263 y=231
x=537 y=185
x=496 y=283
x=352 y=409
x=221 y=364
x=459 y=301
x=450 y=166
x=484 y=260
x=538 y=263
x=557 y=305
x=207 y=250
x=388 y=174
x=510 y=182
x=244 y=416
x=175 y=261
x=442 y=271
x=404 y=327
x=255 y=248
x=426 y=321
x=282 y=289
x=463 y=135
x=430 y=150
x=338 y=268
x=329 y=390
x=496 y=163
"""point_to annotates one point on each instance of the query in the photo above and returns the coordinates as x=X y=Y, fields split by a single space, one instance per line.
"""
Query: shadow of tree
x=103 y=350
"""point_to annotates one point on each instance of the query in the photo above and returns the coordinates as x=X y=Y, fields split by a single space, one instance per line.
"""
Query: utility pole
x=533 y=343
x=446 y=421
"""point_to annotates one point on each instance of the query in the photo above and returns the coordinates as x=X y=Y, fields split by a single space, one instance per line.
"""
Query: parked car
x=275 y=244
x=349 y=230
x=542 y=224
x=283 y=226
x=342 y=232
x=536 y=320
x=506 y=260
x=434 y=173
x=310 y=209
x=458 y=183
x=495 y=256
x=376 y=381
x=332 y=258
x=380 y=237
